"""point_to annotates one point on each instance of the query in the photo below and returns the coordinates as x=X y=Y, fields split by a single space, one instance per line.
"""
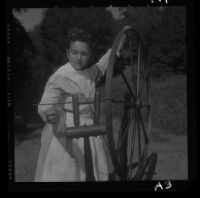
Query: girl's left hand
x=51 y=116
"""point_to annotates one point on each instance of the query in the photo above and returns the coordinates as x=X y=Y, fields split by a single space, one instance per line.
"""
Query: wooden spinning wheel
x=129 y=151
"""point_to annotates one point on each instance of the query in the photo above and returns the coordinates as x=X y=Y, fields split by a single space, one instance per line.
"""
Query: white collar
x=70 y=72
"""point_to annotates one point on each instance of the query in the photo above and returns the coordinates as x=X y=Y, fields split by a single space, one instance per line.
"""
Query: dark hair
x=79 y=34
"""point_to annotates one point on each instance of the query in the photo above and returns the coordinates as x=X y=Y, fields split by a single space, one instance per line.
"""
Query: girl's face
x=79 y=54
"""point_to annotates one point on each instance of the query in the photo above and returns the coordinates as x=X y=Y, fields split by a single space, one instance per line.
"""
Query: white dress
x=62 y=159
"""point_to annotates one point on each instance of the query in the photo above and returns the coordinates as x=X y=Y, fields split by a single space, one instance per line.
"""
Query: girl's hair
x=79 y=34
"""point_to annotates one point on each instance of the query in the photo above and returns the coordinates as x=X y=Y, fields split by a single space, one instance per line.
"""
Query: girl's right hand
x=51 y=116
x=121 y=44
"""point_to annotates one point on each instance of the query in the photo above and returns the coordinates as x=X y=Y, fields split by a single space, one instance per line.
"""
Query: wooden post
x=97 y=108
x=76 y=115
x=87 y=147
x=88 y=160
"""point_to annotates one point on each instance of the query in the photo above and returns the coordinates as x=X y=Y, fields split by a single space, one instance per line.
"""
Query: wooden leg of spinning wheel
x=114 y=176
x=88 y=160
x=86 y=140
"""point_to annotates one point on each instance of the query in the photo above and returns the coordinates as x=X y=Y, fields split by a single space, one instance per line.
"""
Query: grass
x=168 y=96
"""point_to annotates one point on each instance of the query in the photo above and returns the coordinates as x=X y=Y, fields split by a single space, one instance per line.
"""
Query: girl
x=62 y=159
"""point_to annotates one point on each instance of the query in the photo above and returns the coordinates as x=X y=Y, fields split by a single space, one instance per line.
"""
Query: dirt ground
x=171 y=150
x=172 y=161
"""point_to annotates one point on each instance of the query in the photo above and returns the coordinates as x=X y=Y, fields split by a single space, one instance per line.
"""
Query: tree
x=38 y=63
x=175 y=37
x=21 y=53
x=22 y=49
x=163 y=36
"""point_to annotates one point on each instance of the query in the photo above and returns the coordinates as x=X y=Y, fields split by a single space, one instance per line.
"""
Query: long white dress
x=62 y=159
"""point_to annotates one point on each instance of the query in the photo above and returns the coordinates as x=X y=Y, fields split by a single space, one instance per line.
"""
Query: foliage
x=21 y=56
x=22 y=49
x=163 y=35
x=38 y=64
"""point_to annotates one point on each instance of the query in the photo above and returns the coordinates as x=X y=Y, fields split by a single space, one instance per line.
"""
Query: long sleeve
x=98 y=69
x=56 y=90
x=102 y=64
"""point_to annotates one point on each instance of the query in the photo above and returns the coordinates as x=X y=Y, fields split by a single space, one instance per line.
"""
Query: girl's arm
x=49 y=97
x=102 y=64
x=54 y=93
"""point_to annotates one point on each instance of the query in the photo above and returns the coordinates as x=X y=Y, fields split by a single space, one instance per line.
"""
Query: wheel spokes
x=135 y=78
x=139 y=140
x=123 y=135
x=125 y=131
x=128 y=85
x=138 y=148
x=131 y=150
x=138 y=69
x=143 y=128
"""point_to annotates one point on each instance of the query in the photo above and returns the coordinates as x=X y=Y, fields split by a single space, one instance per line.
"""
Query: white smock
x=62 y=159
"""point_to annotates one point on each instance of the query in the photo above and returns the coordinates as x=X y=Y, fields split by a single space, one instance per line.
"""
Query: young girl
x=62 y=159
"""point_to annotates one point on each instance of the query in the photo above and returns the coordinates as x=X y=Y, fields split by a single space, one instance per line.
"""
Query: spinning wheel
x=128 y=142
